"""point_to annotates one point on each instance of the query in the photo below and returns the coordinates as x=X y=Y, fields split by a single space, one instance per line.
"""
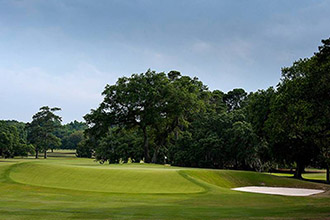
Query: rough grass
x=62 y=199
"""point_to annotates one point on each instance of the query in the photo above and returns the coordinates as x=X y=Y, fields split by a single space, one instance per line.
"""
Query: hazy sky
x=63 y=53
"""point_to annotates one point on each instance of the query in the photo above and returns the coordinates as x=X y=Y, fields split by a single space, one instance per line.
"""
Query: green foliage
x=235 y=99
x=151 y=102
x=258 y=109
x=71 y=141
x=298 y=125
x=70 y=134
x=137 y=101
x=120 y=145
x=84 y=149
x=13 y=139
x=41 y=129
x=217 y=141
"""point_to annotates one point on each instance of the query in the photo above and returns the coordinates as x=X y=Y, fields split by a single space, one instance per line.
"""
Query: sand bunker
x=279 y=190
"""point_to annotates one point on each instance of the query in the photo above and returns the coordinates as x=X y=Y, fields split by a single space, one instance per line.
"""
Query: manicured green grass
x=72 y=188
x=61 y=153
x=103 y=180
x=314 y=174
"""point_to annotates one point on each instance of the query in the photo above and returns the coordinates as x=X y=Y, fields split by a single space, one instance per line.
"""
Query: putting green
x=103 y=180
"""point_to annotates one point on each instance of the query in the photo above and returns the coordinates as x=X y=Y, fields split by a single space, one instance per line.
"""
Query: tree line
x=44 y=133
x=176 y=119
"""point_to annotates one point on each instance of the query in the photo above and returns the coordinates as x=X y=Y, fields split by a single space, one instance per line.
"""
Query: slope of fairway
x=233 y=178
x=103 y=180
x=73 y=188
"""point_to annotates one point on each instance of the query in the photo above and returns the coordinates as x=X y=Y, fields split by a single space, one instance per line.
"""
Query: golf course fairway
x=73 y=188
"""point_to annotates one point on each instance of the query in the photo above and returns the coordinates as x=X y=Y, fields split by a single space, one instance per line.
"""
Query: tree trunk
x=299 y=170
x=52 y=150
x=328 y=175
x=146 y=146
x=161 y=143
x=236 y=164
x=37 y=154
x=45 y=154
x=155 y=155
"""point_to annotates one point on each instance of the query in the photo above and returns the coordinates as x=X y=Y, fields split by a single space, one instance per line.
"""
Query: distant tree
x=65 y=131
x=120 y=145
x=40 y=130
x=216 y=102
x=5 y=145
x=242 y=145
x=13 y=140
x=84 y=148
x=235 y=99
x=258 y=110
x=75 y=126
x=210 y=139
x=72 y=141
x=217 y=140
x=20 y=127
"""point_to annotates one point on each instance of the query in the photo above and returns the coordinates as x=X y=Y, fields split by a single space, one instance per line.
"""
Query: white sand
x=279 y=190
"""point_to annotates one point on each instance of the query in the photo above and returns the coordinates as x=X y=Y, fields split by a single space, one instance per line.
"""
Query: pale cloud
x=36 y=81
x=201 y=46
x=239 y=49
x=78 y=91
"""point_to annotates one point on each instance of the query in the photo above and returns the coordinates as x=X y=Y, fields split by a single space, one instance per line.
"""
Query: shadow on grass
x=315 y=181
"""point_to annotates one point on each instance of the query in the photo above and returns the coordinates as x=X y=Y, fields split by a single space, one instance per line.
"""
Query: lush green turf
x=315 y=176
x=61 y=153
x=312 y=174
x=103 y=180
x=71 y=188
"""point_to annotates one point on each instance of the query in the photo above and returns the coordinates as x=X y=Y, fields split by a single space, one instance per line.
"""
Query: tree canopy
x=40 y=130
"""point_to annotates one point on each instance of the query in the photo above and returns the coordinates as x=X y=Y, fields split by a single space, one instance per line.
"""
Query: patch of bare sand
x=279 y=190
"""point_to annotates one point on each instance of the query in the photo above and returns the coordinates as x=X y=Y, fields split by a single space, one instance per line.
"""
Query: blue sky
x=63 y=53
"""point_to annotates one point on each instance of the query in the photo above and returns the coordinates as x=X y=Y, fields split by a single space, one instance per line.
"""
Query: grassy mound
x=103 y=180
